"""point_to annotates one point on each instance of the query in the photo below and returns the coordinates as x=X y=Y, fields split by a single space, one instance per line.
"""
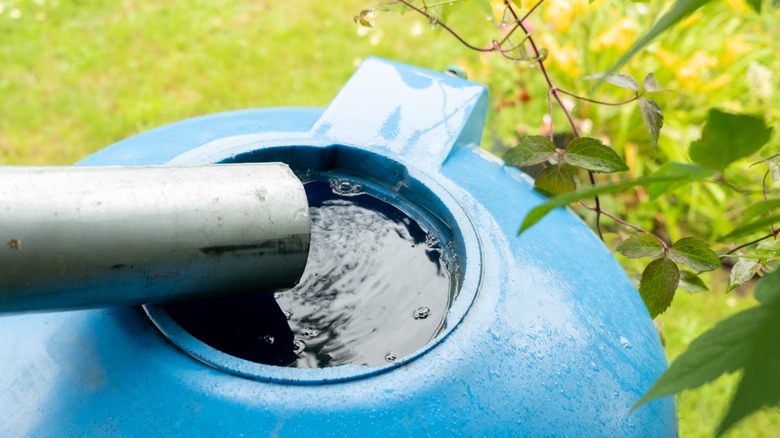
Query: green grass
x=77 y=76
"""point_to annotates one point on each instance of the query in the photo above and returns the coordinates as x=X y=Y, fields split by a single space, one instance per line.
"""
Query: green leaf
x=508 y=19
x=438 y=14
x=522 y=52
x=771 y=266
x=747 y=340
x=695 y=253
x=680 y=10
x=760 y=384
x=537 y=213
x=543 y=52
x=747 y=229
x=361 y=18
x=742 y=272
x=772 y=165
x=555 y=180
x=529 y=151
x=641 y=245
x=768 y=249
x=691 y=282
x=727 y=138
x=658 y=283
x=768 y=289
x=774 y=170
x=617 y=79
x=755 y=5
x=717 y=351
x=760 y=209
x=592 y=154
x=653 y=117
x=687 y=172
x=650 y=84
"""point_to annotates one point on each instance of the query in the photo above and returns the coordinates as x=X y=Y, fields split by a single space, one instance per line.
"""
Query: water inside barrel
x=376 y=288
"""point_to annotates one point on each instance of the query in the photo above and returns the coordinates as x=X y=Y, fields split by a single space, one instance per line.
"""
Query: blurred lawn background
x=77 y=76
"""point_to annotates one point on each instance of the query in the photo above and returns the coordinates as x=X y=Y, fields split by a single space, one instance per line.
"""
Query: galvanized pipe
x=81 y=237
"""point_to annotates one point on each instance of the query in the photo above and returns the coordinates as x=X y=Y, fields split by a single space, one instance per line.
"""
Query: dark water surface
x=376 y=288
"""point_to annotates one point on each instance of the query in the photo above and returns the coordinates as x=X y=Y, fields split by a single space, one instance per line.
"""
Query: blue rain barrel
x=537 y=335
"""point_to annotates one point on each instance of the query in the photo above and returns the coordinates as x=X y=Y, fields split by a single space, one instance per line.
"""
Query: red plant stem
x=748 y=244
x=550 y=85
x=445 y=27
x=598 y=102
x=626 y=224
x=554 y=92
x=517 y=24
x=553 y=89
x=550 y=111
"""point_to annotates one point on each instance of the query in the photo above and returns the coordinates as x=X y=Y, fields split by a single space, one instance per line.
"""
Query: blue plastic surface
x=548 y=337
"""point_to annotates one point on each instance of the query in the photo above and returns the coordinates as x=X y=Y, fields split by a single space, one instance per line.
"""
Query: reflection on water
x=375 y=289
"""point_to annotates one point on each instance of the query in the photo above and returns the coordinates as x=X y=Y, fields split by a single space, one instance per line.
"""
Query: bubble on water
x=390 y=356
x=268 y=339
x=421 y=312
x=298 y=346
x=288 y=314
x=430 y=241
x=277 y=295
x=345 y=188
x=625 y=343
x=310 y=332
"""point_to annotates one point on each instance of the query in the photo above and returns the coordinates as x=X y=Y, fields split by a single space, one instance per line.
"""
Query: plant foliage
x=570 y=175
x=746 y=341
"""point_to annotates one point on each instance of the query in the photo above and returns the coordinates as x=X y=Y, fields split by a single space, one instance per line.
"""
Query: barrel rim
x=412 y=186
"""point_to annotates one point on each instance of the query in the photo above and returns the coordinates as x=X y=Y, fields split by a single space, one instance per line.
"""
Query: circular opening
x=386 y=276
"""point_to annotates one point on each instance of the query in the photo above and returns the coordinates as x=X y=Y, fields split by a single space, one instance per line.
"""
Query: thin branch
x=598 y=205
x=598 y=102
x=530 y=11
x=436 y=21
x=720 y=181
x=624 y=223
x=442 y=3
x=748 y=244
x=518 y=21
x=554 y=92
x=550 y=106
x=509 y=34
x=497 y=46
x=769 y=212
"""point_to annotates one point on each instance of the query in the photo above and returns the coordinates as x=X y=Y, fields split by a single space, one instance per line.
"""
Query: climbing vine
x=568 y=173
